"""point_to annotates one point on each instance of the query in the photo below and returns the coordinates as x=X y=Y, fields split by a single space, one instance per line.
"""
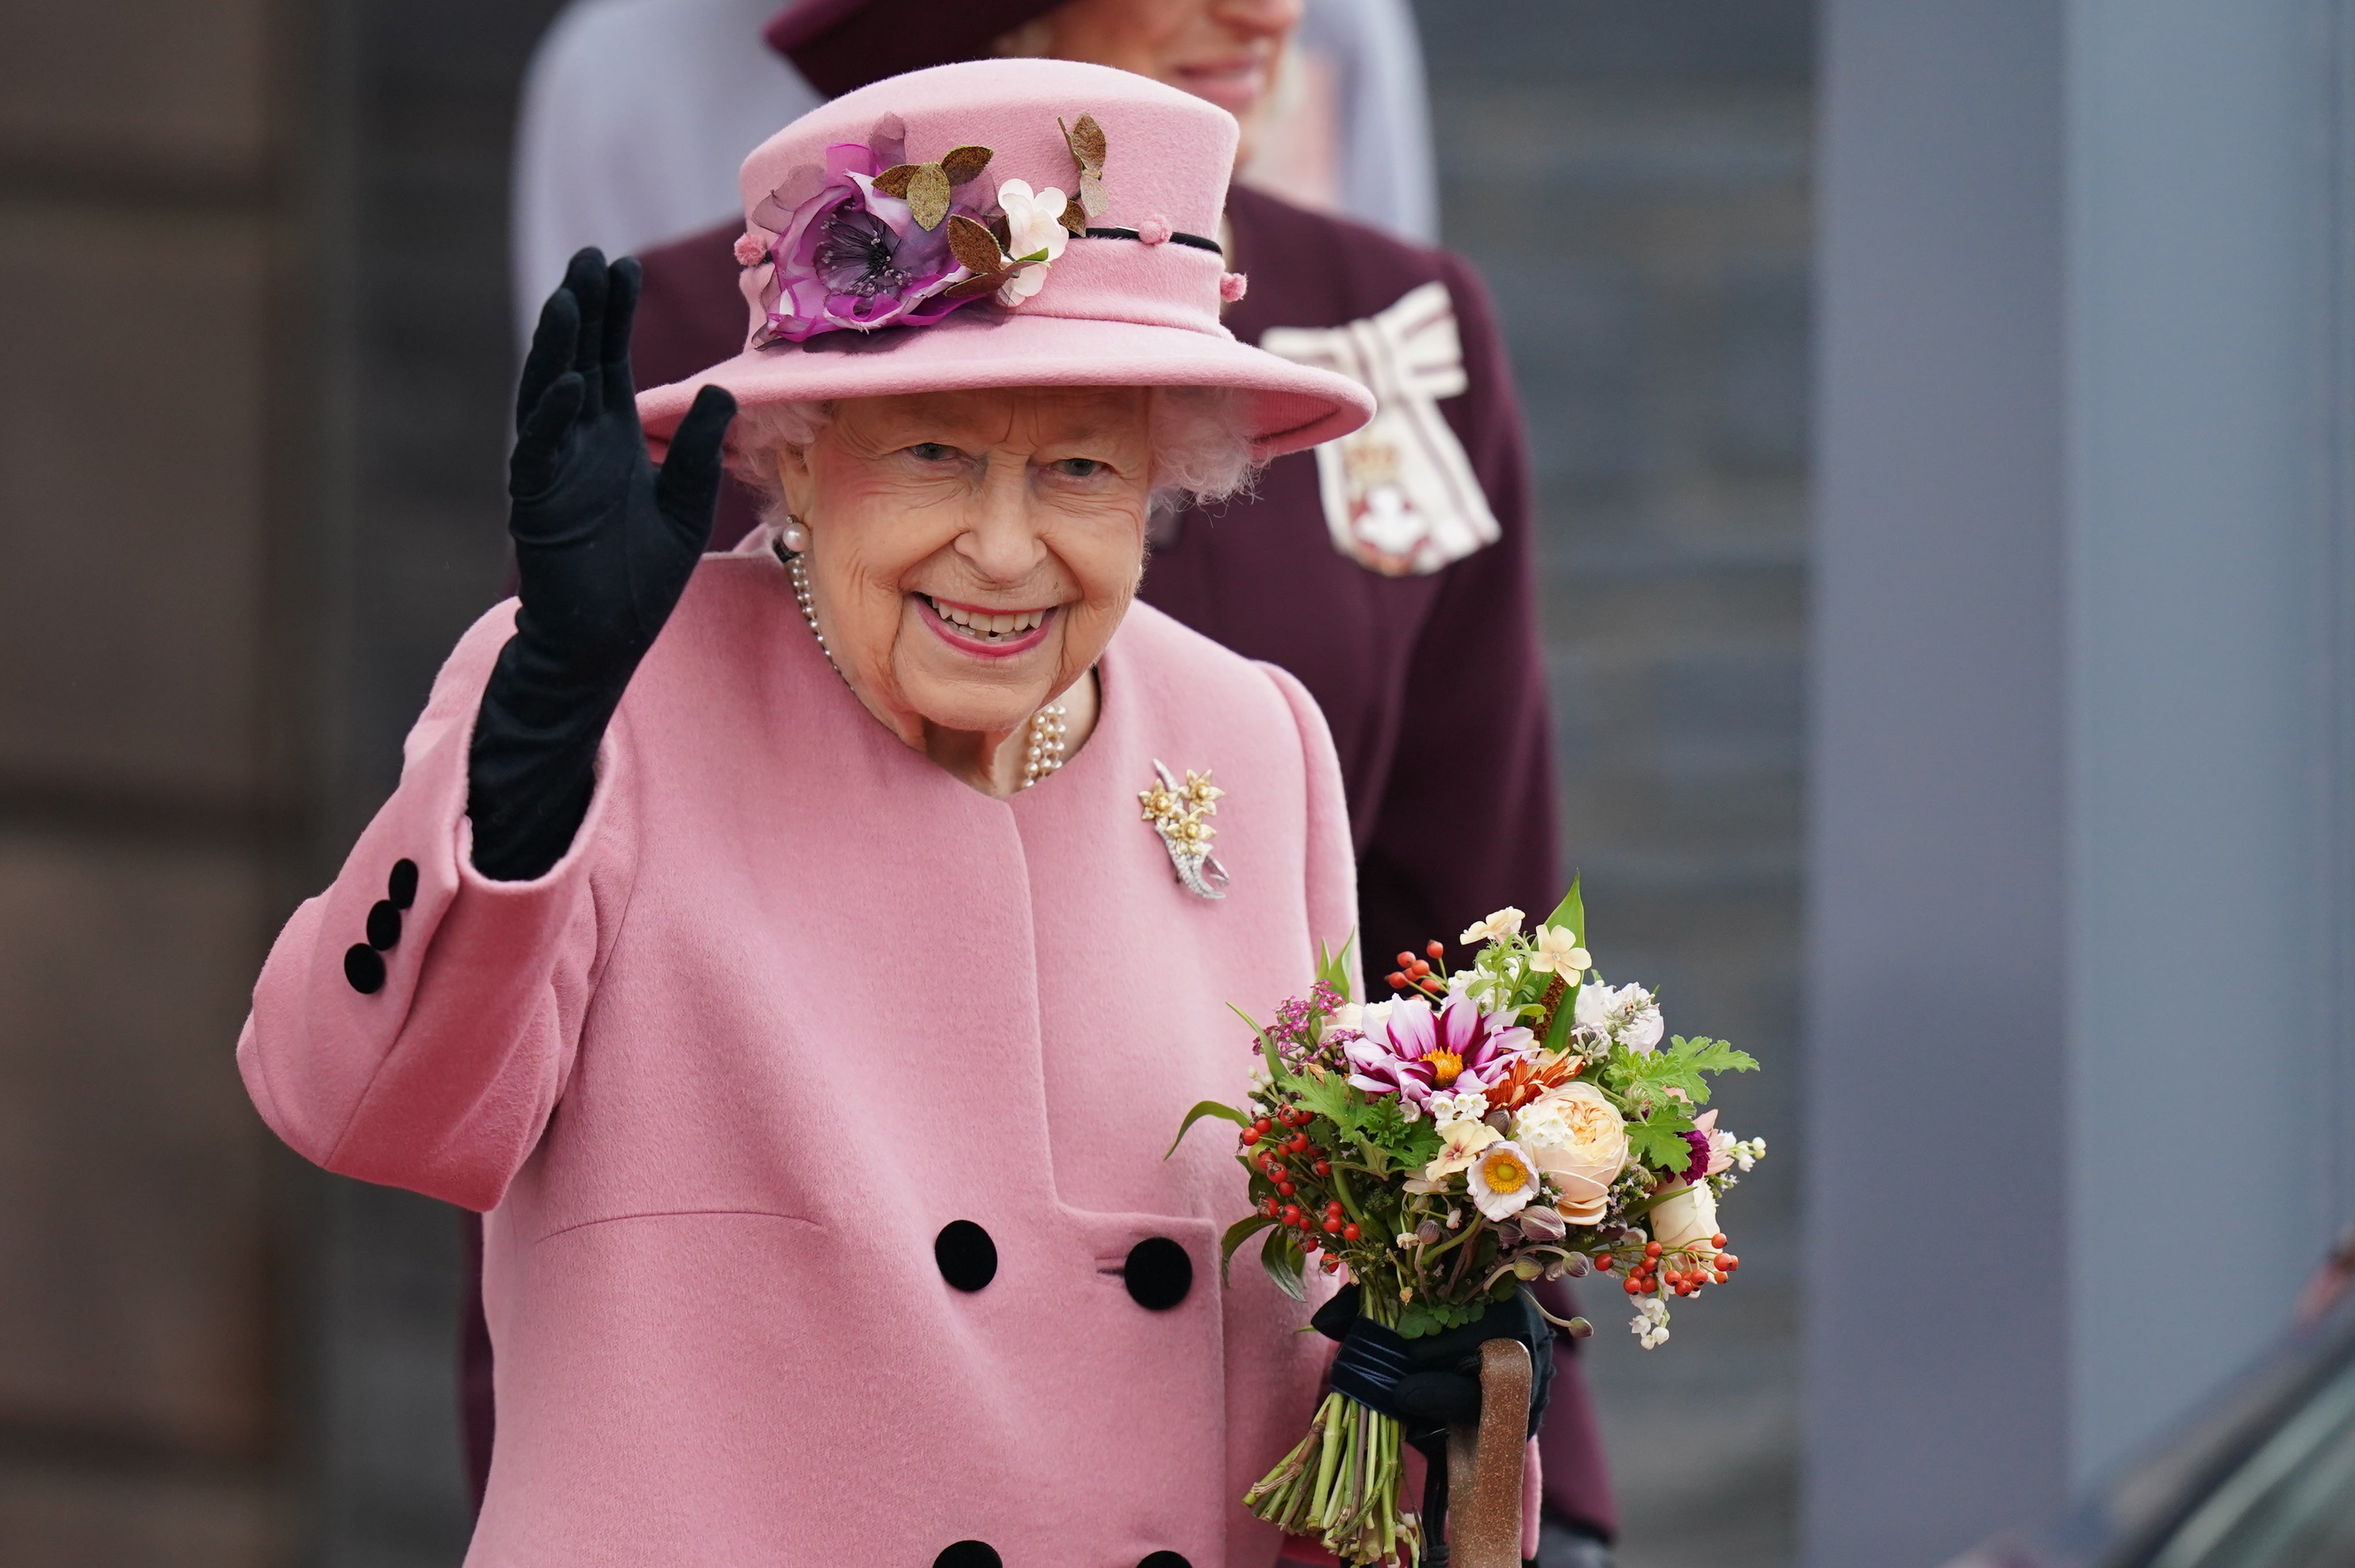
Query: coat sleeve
x=1466 y=820
x=1332 y=868
x=425 y=1047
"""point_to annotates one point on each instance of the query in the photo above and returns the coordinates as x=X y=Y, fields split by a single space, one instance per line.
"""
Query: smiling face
x=972 y=553
x=1223 y=51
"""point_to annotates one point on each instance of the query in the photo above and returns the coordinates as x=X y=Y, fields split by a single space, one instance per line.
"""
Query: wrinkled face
x=1225 y=50
x=972 y=553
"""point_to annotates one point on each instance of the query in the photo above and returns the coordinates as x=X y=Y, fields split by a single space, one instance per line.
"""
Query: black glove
x=604 y=544
x=1441 y=1385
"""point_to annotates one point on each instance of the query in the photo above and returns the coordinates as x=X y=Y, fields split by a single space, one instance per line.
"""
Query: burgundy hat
x=842 y=45
x=917 y=235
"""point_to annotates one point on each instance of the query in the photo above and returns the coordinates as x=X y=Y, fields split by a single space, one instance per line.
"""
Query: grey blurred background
x=2057 y=638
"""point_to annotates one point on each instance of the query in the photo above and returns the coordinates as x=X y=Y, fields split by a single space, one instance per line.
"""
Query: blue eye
x=1079 y=468
x=932 y=451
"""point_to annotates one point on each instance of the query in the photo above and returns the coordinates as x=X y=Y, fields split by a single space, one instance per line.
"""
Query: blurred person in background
x=635 y=112
x=1390 y=572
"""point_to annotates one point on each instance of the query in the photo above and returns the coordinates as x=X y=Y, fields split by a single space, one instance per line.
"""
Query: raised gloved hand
x=604 y=544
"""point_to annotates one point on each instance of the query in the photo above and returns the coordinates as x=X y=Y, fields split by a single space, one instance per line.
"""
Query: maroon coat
x=1450 y=820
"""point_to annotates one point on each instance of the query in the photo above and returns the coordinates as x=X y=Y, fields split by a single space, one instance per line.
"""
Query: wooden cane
x=1483 y=1464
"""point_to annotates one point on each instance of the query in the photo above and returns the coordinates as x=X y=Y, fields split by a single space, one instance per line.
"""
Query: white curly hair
x=1200 y=451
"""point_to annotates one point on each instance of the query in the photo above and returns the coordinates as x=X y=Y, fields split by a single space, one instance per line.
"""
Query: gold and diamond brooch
x=1180 y=814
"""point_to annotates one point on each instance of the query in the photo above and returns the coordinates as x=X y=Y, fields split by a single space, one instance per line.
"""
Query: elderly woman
x=773 y=943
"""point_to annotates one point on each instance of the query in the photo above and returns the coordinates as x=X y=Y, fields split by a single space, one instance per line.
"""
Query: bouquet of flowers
x=1511 y=1120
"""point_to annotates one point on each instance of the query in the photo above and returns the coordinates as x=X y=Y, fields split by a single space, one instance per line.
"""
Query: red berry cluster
x=1414 y=974
x=1685 y=1278
x=1278 y=1149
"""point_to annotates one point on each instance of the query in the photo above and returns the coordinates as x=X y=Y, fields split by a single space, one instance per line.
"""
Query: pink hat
x=1001 y=223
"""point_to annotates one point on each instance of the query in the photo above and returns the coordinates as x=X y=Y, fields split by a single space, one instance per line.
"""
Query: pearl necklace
x=1047 y=746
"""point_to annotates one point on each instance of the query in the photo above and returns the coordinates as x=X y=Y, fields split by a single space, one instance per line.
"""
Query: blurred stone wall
x=433 y=366
x=254 y=318
x=1633 y=179
x=153 y=767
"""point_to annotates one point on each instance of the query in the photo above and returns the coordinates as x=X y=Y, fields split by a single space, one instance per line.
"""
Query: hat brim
x=1289 y=406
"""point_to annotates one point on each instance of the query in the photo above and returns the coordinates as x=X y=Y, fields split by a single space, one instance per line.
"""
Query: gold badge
x=1181 y=814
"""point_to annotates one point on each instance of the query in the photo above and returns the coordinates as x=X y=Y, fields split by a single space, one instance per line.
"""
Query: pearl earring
x=793 y=536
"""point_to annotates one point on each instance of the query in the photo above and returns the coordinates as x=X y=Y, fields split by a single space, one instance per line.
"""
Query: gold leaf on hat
x=975 y=247
x=1092 y=196
x=975 y=286
x=928 y=194
x=1074 y=217
x=1086 y=139
x=893 y=181
x=1002 y=229
x=962 y=164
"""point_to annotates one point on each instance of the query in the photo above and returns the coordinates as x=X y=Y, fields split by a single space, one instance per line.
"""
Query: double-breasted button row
x=1158 y=1272
x=364 y=962
x=981 y=1554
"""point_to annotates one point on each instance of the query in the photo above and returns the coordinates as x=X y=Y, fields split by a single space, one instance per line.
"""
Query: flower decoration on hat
x=874 y=239
x=1086 y=140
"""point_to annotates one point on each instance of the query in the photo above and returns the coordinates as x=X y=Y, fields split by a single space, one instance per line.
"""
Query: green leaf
x=1565 y=1018
x=1658 y=1140
x=1276 y=1070
x=1207 y=1107
x=1285 y=1263
x=1237 y=1233
x=1678 y=1066
x=1334 y=967
x=1571 y=912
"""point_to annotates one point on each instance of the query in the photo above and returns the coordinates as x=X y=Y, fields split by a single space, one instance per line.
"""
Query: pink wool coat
x=796 y=1000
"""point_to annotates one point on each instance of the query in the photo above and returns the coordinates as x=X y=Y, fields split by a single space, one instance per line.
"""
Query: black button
x=401 y=885
x=1164 y=1560
x=364 y=968
x=968 y=1260
x=969 y=1553
x=1159 y=1272
x=383 y=925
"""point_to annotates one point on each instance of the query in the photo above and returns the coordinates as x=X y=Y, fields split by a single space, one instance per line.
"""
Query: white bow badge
x=1400 y=495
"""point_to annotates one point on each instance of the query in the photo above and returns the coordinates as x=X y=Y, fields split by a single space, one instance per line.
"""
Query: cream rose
x=1579 y=1139
x=1686 y=1218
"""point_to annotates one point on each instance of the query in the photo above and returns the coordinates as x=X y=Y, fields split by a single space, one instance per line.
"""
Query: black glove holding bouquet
x=1433 y=1382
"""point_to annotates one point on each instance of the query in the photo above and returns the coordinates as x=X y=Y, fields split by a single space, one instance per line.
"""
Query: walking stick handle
x=1483 y=1464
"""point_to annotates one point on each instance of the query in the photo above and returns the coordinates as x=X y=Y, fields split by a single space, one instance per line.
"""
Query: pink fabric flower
x=1155 y=230
x=1232 y=286
x=849 y=255
x=750 y=250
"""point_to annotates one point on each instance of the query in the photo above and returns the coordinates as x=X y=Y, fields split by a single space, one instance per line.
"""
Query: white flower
x=1686 y=1219
x=1627 y=1014
x=1502 y=1181
x=1558 y=952
x=1460 y=1141
x=1446 y=1108
x=1505 y=922
x=1034 y=222
x=1650 y=1324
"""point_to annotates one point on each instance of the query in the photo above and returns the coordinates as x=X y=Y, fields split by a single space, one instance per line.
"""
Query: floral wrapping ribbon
x=1399 y=494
